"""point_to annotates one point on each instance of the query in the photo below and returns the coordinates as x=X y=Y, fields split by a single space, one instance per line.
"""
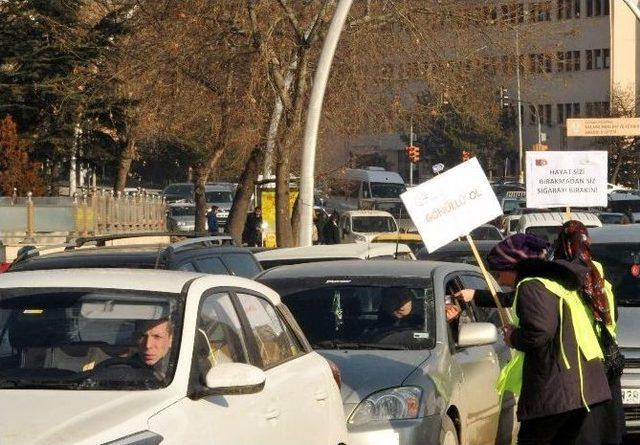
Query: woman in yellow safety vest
x=605 y=423
x=557 y=367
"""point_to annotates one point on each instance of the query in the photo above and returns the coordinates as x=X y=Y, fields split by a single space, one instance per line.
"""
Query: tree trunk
x=200 y=175
x=242 y=199
x=284 y=231
x=295 y=220
x=616 y=169
x=124 y=165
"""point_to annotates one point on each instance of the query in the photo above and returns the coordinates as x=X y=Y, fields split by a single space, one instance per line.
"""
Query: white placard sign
x=452 y=204
x=566 y=179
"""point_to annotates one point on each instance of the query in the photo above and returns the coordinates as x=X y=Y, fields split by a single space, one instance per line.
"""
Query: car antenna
x=395 y=256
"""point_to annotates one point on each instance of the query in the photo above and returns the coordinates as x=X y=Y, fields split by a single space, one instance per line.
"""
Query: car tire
x=448 y=433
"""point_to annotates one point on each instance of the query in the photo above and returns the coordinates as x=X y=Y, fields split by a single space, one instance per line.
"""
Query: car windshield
x=387 y=190
x=509 y=205
x=611 y=218
x=625 y=205
x=373 y=224
x=365 y=317
x=87 y=340
x=218 y=197
x=617 y=260
x=549 y=233
x=179 y=190
x=486 y=233
x=183 y=211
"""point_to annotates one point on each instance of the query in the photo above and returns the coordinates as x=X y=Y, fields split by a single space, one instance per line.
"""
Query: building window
x=513 y=13
x=544 y=111
x=567 y=111
x=597 y=8
x=598 y=59
x=540 y=63
x=568 y=9
x=576 y=61
x=597 y=109
x=569 y=61
x=540 y=12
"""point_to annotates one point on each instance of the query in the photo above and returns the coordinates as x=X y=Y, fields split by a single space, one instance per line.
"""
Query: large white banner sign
x=566 y=179
x=452 y=204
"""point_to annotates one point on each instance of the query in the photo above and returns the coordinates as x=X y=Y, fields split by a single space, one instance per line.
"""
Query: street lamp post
x=520 y=147
x=305 y=198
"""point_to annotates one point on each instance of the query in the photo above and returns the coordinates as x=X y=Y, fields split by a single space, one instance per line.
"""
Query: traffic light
x=466 y=155
x=504 y=98
x=413 y=153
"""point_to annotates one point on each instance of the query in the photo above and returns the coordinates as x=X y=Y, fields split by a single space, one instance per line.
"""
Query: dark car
x=190 y=255
x=457 y=252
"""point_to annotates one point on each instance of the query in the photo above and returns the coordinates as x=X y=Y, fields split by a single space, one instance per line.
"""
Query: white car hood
x=30 y=417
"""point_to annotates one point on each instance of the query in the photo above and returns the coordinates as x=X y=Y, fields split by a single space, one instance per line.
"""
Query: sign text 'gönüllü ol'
x=452 y=204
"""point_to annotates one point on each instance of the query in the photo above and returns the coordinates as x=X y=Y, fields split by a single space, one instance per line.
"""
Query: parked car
x=207 y=255
x=181 y=217
x=613 y=218
x=218 y=194
x=362 y=226
x=617 y=247
x=313 y=254
x=182 y=191
x=227 y=364
x=457 y=252
x=413 y=240
x=547 y=225
x=427 y=382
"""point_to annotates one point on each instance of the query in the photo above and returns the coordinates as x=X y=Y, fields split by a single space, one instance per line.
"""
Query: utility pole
x=313 y=122
x=520 y=148
x=410 y=161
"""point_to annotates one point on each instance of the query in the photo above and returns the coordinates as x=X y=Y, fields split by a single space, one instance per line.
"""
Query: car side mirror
x=477 y=334
x=234 y=378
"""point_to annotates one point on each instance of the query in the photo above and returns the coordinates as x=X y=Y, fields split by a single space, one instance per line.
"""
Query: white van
x=367 y=188
x=546 y=225
x=362 y=226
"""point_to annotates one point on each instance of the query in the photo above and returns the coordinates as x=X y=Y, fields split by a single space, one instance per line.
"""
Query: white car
x=147 y=357
x=547 y=225
x=362 y=226
x=333 y=252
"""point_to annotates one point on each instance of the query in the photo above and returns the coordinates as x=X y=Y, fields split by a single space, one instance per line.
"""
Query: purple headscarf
x=510 y=251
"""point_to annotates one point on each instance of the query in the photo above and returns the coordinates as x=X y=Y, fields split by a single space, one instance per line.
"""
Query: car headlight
x=139 y=438
x=390 y=404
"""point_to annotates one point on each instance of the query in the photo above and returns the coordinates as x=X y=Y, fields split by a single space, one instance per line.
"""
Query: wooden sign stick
x=505 y=318
x=568 y=213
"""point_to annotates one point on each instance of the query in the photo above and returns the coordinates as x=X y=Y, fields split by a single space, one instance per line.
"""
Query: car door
x=506 y=413
x=297 y=379
x=479 y=366
x=220 y=419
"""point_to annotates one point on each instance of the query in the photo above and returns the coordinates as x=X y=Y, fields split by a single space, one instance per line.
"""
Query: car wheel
x=448 y=433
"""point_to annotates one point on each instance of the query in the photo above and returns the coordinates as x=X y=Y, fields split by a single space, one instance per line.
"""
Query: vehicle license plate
x=631 y=396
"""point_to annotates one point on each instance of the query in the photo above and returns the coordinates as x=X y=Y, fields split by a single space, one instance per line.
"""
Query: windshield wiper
x=333 y=344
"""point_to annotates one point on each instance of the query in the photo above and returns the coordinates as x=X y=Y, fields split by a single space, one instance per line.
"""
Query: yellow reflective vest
x=510 y=378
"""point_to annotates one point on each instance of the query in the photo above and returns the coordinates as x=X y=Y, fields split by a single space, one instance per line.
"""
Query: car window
x=187 y=267
x=242 y=264
x=466 y=315
x=275 y=343
x=218 y=334
x=336 y=316
x=211 y=265
x=618 y=260
x=483 y=314
x=373 y=224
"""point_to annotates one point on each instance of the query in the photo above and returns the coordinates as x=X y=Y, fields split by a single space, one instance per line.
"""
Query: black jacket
x=548 y=387
x=331 y=233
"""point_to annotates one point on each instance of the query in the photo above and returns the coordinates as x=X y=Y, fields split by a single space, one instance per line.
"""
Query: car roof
x=484 y=246
x=367 y=213
x=355 y=268
x=619 y=233
x=348 y=250
x=557 y=219
x=168 y=281
x=374 y=175
x=131 y=279
x=120 y=256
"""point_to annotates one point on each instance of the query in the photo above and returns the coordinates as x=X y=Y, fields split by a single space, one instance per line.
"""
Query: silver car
x=421 y=380
x=617 y=247
x=181 y=217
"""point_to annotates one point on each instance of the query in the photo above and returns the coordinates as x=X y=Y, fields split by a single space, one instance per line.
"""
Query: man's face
x=258 y=212
x=154 y=342
x=403 y=310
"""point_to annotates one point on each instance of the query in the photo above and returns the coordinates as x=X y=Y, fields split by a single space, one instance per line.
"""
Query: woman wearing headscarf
x=605 y=423
x=557 y=367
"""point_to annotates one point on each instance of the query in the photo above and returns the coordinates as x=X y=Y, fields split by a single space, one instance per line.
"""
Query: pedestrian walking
x=252 y=233
x=557 y=368
x=331 y=231
x=605 y=424
x=212 y=220
x=319 y=222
